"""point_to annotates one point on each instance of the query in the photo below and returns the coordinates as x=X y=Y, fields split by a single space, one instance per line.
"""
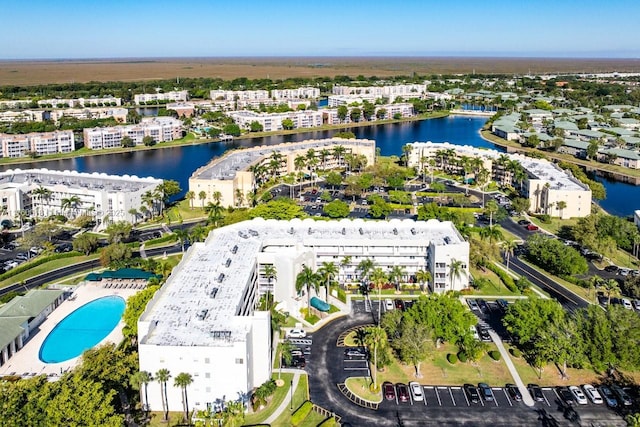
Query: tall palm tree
x=214 y=213
x=324 y=155
x=306 y=279
x=345 y=262
x=561 y=205
x=149 y=199
x=338 y=154
x=379 y=278
x=239 y=197
x=491 y=208
x=190 y=196
x=423 y=276
x=162 y=376
x=456 y=270
x=508 y=246
x=71 y=203
x=202 y=195
x=134 y=215
x=482 y=179
x=141 y=380
x=183 y=236
x=270 y=273
x=183 y=380
x=299 y=163
x=327 y=272
x=612 y=287
x=396 y=274
x=492 y=233
x=374 y=337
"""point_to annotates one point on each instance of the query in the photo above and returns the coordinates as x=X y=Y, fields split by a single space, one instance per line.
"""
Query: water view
x=178 y=163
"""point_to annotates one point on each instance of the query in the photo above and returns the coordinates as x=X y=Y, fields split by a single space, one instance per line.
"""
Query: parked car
x=472 y=393
x=593 y=394
x=636 y=304
x=416 y=391
x=621 y=395
x=389 y=391
x=524 y=222
x=483 y=305
x=611 y=269
x=473 y=304
x=296 y=333
x=626 y=303
x=298 y=362
x=403 y=392
x=532 y=227
x=514 y=392
x=536 y=392
x=474 y=332
x=388 y=305
x=503 y=304
x=296 y=352
x=484 y=334
x=399 y=304
x=578 y=395
x=609 y=397
x=565 y=395
x=352 y=353
x=486 y=392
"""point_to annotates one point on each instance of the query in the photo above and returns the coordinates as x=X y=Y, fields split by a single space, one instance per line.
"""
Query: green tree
x=118 y=231
x=255 y=126
x=190 y=196
x=423 y=277
x=283 y=209
x=508 y=246
x=307 y=279
x=379 y=208
x=184 y=380
x=287 y=124
x=520 y=204
x=592 y=149
x=127 y=142
x=140 y=380
x=342 y=112
x=149 y=141
x=375 y=337
x=334 y=179
x=214 y=213
x=413 y=344
x=85 y=243
x=270 y=273
x=114 y=253
x=232 y=129
x=456 y=271
x=336 y=209
x=327 y=272
x=162 y=377
x=202 y=195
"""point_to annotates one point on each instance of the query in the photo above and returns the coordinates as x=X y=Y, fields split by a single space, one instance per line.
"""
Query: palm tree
x=202 y=196
x=491 y=208
x=71 y=202
x=432 y=167
x=344 y=262
x=182 y=235
x=134 y=214
x=492 y=233
x=379 y=278
x=214 y=213
x=561 y=205
x=396 y=274
x=423 y=161
x=456 y=270
x=612 y=287
x=482 y=179
x=190 y=196
x=306 y=279
x=374 y=336
x=338 y=154
x=183 y=380
x=327 y=272
x=509 y=246
x=270 y=273
x=141 y=380
x=324 y=155
x=148 y=199
x=423 y=277
x=239 y=197
x=298 y=164
x=162 y=376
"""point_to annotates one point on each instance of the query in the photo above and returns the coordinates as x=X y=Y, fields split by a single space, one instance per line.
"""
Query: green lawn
x=360 y=387
x=44 y=268
x=277 y=398
x=496 y=287
x=300 y=395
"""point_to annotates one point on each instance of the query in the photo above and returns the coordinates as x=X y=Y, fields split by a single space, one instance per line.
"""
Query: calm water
x=82 y=329
x=178 y=163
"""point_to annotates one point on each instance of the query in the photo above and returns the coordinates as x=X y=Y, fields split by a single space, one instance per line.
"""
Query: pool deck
x=26 y=362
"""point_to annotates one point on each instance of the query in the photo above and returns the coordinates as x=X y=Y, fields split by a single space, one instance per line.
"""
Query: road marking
x=507 y=396
x=464 y=393
x=356 y=369
x=424 y=395
x=438 y=396
x=452 y=398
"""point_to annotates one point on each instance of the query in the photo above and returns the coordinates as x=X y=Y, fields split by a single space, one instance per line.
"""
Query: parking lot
x=300 y=352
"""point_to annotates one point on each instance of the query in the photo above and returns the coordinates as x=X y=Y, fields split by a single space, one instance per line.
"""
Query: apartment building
x=232 y=174
x=41 y=143
x=81 y=102
x=298 y=93
x=204 y=320
x=119 y=114
x=173 y=96
x=382 y=112
x=273 y=121
x=42 y=193
x=391 y=91
x=21 y=116
x=545 y=184
x=161 y=129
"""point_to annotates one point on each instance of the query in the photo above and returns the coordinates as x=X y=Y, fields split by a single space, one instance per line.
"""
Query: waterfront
x=178 y=163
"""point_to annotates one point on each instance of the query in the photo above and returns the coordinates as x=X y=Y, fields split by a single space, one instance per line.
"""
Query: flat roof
x=225 y=167
x=199 y=305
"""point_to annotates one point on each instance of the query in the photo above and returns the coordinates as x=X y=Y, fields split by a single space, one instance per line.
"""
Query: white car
x=578 y=395
x=626 y=303
x=416 y=391
x=296 y=333
x=388 y=305
x=474 y=332
x=592 y=393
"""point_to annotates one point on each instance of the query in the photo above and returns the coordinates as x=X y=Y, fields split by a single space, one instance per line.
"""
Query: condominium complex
x=237 y=99
x=204 y=320
x=545 y=184
x=298 y=93
x=21 y=116
x=273 y=121
x=119 y=114
x=173 y=96
x=104 y=101
x=40 y=143
x=391 y=91
x=382 y=112
x=42 y=193
x=232 y=175
x=159 y=128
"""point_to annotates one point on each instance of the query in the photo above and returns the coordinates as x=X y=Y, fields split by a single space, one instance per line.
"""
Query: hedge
x=462 y=357
x=495 y=355
x=506 y=279
x=452 y=358
x=301 y=413
x=166 y=238
x=515 y=352
x=36 y=262
x=329 y=422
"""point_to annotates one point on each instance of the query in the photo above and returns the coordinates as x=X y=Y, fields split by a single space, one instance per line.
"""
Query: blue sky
x=37 y=29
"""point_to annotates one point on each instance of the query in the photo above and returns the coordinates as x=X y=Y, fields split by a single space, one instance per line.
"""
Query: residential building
x=386 y=112
x=391 y=91
x=232 y=175
x=173 y=96
x=636 y=218
x=545 y=185
x=574 y=147
x=621 y=157
x=297 y=93
x=42 y=193
x=40 y=143
x=21 y=116
x=119 y=114
x=239 y=95
x=20 y=318
x=273 y=121
x=204 y=320
x=161 y=129
x=105 y=101
x=15 y=103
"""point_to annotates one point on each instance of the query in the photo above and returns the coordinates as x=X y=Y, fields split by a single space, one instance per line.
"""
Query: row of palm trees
x=142 y=379
x=71 y=203
x=202 y=196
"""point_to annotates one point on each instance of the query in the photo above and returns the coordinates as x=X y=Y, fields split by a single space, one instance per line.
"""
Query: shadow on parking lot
x=546 y=418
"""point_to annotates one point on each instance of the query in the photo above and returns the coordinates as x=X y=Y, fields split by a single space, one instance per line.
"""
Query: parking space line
x=507 y=396
x=545 y=398
x=356 y=369
x=453 y=399
x=410 y=398
x=438 y=396
x=424 y=395
x=495 y=399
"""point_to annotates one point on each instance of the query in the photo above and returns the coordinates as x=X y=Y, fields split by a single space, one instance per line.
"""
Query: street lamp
x=291 y=396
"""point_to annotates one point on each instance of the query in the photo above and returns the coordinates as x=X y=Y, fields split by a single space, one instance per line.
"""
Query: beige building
x=41 y=143
x=545 y=184
x=119 y=114
x=159 y=128
x=232 y=175
x=273 y=121
x=21 y=116
x=174 y=96
x=81 y=102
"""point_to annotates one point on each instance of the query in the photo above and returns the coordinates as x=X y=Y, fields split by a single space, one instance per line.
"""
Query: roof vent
x=361 y=230
x=254 y=233
x=310 y=230
x=344 y=231
x=395 y=231
x=213 y=293
x=234 y=250
x=220 y=277
x=413 y=231
x=228 y=263
x=291 y=230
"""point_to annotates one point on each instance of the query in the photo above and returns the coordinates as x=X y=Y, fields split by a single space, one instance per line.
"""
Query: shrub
x=462 y=356
x=452 y=358
x=329 y=422
x=544 y=218
x=506 y=279
x=515 y=352
x=342 y=295
x=495 y=355
x=38 y=261
x=301 y=413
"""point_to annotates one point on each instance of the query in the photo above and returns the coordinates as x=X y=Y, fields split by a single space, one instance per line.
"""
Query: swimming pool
x=82 y=329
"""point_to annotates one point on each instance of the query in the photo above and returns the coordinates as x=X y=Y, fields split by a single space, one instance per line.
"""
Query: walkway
x=526 y=396
x=285 y=403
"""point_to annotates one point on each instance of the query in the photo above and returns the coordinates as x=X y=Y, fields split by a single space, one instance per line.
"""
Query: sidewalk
x=526 y=396
x=285 y=403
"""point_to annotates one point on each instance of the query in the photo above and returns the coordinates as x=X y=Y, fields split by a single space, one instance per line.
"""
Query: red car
x=389 y=391
x=403 y=392
x=532 y=227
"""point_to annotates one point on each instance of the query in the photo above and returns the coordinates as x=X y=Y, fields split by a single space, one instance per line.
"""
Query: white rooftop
x=202 y=302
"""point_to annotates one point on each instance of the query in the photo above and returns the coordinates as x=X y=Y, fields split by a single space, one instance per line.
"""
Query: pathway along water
x=178 y=163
